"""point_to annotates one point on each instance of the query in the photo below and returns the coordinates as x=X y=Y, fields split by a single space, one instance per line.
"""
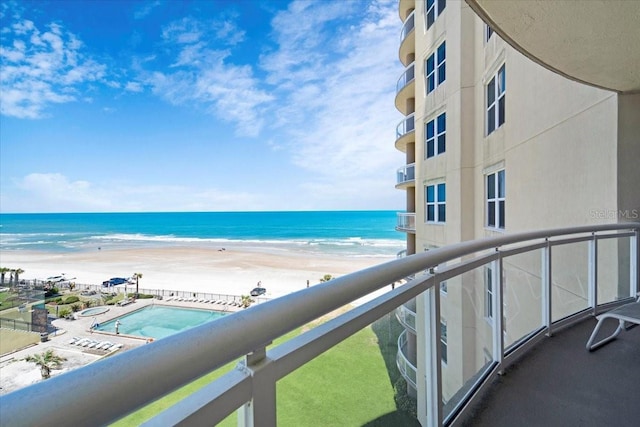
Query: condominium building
x=522 y=153
x=497 y=143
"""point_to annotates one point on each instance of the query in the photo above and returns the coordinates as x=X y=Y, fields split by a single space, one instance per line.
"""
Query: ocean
x=349 y=233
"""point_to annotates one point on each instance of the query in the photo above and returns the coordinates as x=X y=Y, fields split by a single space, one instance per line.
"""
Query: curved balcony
x=405 y=7
x=405 y=89
x=406 y=222
x=608 y=254
x=407 y=40
x=406 y=175
x=405 y=132
x=406 y=317
x=406 y=368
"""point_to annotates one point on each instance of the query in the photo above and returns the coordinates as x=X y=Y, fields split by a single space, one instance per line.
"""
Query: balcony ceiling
x=595 y=42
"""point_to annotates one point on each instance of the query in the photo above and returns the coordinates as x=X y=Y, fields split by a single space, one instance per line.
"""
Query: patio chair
x=627 y=313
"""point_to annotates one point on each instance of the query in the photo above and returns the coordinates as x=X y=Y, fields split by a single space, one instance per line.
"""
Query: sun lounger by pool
x=628 y=313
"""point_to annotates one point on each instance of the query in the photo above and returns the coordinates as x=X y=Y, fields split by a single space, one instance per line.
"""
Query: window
x=443 y=340
x=488 y=32
x=434 y=8
x=496 y=199
x=435 y=68
x=488 y=298
x=436 y=197
x=496 y=100
x=435 y=136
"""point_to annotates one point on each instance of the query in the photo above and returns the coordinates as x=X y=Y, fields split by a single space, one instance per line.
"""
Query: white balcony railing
x=405 y=126
x=406 y=174
x=406 y=77
x=406 y=317
x=408 y=26
x=406 y=221
x=408 y=371
x=142 y=375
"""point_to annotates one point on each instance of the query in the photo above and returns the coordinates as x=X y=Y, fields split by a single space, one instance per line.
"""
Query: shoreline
x=231 y=270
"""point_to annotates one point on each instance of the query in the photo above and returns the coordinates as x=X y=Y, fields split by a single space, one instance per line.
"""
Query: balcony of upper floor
x=592 y=44
x=405 y=89
x=407 y=40
x=406 y=176
x=406 y=221
x=405 y=8
x=406 y=132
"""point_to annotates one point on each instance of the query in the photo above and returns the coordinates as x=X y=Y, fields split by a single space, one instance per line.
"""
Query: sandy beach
x=234 y=270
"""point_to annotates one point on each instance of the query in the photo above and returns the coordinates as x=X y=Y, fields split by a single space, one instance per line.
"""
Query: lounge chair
x=627 y=313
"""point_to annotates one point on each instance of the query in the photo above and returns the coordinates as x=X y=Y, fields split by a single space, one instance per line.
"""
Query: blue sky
x=198 y=105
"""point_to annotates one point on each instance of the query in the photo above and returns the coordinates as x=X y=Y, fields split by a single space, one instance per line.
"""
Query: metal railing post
x=498 y=335
x=433 y=356
x=593 y=273
x=261 y=409
x=634 y=263
x=547 y=283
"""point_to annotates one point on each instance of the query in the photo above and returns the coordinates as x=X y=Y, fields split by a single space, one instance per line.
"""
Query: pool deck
x=15 y=373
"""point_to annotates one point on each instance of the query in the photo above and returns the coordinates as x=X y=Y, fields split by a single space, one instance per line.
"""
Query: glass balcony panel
x=522 y=296
x=376 y=373
x=406 y=221
x=406 y=174
x=405 y=126
x=570 y=279
x=614 y=272
x=405 y=78
x=408 y=26
x=406 y=368
x=470 y=334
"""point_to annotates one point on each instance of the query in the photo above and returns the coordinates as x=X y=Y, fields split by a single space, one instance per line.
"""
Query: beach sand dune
x=234 y=270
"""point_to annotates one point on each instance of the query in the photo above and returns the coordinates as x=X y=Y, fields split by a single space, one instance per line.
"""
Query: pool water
x=93 y=311
x=159 y=321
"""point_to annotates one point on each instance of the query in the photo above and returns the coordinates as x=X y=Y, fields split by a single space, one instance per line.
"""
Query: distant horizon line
x=177 y=212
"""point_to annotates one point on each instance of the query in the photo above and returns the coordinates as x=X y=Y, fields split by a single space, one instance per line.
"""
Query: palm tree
x=17 y=272
x=246 y=301
x=46 y=361
x=137 y=276
x=3 y=272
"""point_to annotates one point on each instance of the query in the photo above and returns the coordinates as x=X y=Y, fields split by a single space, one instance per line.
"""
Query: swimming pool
x=159 y=321
x=93 y=311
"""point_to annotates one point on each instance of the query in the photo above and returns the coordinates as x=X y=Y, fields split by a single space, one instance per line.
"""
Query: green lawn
x=349 y=385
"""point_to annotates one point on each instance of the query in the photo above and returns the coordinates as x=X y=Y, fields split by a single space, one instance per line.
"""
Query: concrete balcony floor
x=560 y=383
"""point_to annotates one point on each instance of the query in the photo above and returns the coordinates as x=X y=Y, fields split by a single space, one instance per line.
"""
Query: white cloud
x=339 y=101
x=146 y=9
x=40 y=69
x=54 y=192
x=134 y=87
x=202 y=75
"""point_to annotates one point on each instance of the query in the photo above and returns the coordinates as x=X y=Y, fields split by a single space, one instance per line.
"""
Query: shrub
x=64 y=312
x=71 y=299
x=404 y=402
x=76 y=307
x=140 y=296
x=51 y=292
